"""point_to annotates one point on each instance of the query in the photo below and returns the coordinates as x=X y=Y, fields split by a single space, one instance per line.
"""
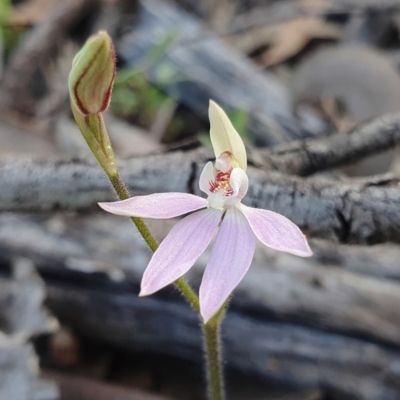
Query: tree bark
x=348 y=290
x=361 y=210
x=342 y=367
x=315 y=155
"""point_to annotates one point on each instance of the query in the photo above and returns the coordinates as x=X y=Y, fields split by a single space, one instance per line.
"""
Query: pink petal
x=276 y=231
x=180 y=249
x=229 y=261
x=158 y=205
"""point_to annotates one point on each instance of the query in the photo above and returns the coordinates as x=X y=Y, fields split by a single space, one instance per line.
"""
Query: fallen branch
x=348 y=211
x=324 y=322
x=351 y=368
x=314 y=155
x=344 y=289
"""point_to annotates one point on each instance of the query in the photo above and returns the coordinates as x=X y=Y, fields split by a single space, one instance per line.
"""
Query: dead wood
x=334 y=327
x=351 y=290
x=274 y=350
x=369 y=4
x=348 y=211
x=21 y=302
x=276 y=13
x=22 y=316
x=315 y=155
x=199 y=67
x=78 y=388
x=330 y=322
x=19 y=375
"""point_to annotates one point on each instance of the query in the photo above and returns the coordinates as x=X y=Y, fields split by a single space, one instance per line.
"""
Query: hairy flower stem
x=211 y=330
x=184 y=288
x=212 y=344
x=123 y=194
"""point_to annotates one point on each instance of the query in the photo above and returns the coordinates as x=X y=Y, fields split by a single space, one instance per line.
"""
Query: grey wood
x=346 y=367
x=22 y=316
x=349 y=211
x=351 y=290
x=198 y=66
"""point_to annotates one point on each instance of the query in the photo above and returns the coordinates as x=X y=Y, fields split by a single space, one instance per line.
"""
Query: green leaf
x=5 y=11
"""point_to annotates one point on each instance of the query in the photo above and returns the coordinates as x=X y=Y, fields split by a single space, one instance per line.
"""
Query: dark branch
x=334 y=312
x=314 y=155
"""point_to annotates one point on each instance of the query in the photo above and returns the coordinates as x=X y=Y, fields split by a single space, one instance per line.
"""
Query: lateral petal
x=157 y=205
x=207 y=176
x=239 y=182
x=229 y=261
x=177 y=253
x=276 y=231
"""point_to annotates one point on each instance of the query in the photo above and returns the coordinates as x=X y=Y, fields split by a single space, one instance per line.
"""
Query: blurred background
x=306 y=83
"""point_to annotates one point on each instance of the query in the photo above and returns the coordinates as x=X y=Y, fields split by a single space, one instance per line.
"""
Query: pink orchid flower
x=225 y=184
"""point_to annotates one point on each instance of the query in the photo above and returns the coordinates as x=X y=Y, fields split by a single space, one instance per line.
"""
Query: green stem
x=122 y=192
x=212 y=346
x=211 y=330
x=95 y=133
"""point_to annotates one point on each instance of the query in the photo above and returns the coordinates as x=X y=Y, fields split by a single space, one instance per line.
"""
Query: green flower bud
x=92 y=75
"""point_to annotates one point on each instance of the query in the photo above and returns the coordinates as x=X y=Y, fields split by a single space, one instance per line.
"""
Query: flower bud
x=92 y=75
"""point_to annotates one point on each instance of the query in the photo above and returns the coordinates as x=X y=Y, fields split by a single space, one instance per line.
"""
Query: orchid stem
x=212 y=344
x=123 y=194
x=188 y=293
x=184 y=288
x=211 y=330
